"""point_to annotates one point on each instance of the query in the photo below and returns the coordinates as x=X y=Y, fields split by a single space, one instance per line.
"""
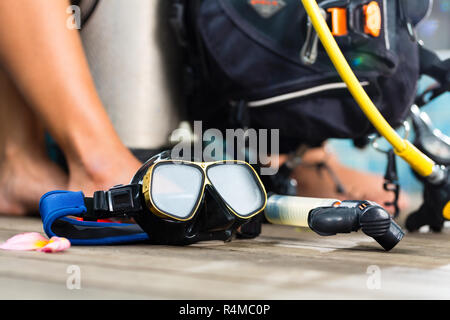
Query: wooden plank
x=283 y=263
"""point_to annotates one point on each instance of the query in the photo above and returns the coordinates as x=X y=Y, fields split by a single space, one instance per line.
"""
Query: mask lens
x=238 y=186
x=176 y=189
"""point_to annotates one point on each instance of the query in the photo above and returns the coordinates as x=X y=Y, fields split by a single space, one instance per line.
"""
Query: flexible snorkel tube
x=436 y=205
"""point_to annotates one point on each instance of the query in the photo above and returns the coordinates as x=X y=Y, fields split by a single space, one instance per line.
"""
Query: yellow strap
x=422 y=164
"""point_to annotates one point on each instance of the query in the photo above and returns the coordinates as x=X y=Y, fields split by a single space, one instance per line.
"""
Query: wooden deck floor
x=283 y=263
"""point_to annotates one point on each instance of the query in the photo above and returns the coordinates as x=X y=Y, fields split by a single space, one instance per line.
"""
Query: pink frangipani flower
x=56 y=244
x=35 y=241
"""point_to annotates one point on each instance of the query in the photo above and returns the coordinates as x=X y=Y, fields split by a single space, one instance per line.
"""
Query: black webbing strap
x=120 y=201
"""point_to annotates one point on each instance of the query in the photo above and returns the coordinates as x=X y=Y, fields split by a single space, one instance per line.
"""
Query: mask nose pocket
x=215 y=214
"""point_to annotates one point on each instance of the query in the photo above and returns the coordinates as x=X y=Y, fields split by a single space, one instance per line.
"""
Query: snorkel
x=436 y=206
x=328 y=217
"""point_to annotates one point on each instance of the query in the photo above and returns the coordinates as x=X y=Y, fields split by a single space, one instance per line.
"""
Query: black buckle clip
x=119 y=201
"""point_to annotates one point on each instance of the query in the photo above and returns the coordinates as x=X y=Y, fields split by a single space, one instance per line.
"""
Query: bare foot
x=102 y=173
x=358 y=185
x=24 y=178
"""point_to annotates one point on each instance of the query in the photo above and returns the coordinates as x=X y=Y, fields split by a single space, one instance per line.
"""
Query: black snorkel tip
x=393 y=236
x=377 y=223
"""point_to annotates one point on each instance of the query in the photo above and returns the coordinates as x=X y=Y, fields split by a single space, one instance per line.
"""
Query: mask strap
x=62 y=214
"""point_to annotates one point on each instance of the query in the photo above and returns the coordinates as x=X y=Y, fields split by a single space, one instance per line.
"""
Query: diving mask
x=172 y=201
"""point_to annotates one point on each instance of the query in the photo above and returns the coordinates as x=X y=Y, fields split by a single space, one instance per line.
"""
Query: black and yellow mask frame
x=182 y=202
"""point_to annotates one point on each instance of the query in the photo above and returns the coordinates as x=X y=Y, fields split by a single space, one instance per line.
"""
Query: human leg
x=25 y=170
x=46 y=61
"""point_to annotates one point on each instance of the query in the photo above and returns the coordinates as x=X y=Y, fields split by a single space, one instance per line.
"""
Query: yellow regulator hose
x=422 y=164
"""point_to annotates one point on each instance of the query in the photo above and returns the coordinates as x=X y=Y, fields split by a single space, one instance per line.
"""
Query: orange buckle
x=338 y=21
x=372 y=14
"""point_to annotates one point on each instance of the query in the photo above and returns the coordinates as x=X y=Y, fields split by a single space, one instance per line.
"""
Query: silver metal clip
x=308 y=54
